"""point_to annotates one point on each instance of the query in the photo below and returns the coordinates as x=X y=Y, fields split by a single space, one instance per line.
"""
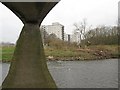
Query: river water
x=79 y=74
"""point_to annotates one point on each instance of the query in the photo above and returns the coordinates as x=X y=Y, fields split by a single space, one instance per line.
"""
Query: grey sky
x=66 y=12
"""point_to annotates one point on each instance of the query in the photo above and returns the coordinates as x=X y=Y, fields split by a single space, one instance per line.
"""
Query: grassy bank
x=88 y=53
x=7 y=53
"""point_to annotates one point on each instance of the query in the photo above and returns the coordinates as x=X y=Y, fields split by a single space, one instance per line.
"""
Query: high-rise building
x=56 y=28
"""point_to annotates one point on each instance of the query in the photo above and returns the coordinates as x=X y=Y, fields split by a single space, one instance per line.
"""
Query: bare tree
x=81 y=28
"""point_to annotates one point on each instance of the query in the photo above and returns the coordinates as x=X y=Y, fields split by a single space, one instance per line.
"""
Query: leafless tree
x=81 y=28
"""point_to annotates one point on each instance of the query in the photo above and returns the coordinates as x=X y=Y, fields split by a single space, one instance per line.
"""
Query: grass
x=89 y=53
x=59 y=52
x=7 y=53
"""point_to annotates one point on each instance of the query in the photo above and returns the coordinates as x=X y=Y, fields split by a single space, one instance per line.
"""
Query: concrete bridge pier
x=28 y=67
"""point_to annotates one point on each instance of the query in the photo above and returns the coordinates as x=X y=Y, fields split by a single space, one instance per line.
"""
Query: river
x=79 y=74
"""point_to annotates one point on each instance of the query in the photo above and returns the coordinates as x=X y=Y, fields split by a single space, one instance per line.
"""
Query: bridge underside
x=28 y=67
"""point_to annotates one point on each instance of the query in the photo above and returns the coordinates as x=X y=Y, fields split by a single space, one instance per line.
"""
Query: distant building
x=56 y=28
x=67 y=37
x=76 y=37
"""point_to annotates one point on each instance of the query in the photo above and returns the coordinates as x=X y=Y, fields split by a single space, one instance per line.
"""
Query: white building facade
x=76 y=37
x=56 y=28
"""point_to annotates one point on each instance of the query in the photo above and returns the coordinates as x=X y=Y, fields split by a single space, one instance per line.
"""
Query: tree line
x=101 y=35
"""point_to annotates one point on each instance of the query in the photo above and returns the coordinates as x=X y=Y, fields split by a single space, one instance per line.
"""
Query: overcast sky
x=66 y=12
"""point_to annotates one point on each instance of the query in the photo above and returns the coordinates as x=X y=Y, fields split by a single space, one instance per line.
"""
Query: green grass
x=90 y=52
x=59 y=53
x=7 y=52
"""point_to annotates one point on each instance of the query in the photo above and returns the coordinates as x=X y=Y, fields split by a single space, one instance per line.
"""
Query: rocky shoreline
x=97 y=55
x=66 y=59
x=76 y=59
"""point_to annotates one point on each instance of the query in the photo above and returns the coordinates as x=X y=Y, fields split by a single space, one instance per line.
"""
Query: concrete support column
x=28 y=68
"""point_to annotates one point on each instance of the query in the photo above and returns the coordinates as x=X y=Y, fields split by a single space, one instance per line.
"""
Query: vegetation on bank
x=7 y=53
x=98 y=43
x=89 y=53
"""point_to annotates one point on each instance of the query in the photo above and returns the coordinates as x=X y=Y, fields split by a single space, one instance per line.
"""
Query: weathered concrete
x=28 y=68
